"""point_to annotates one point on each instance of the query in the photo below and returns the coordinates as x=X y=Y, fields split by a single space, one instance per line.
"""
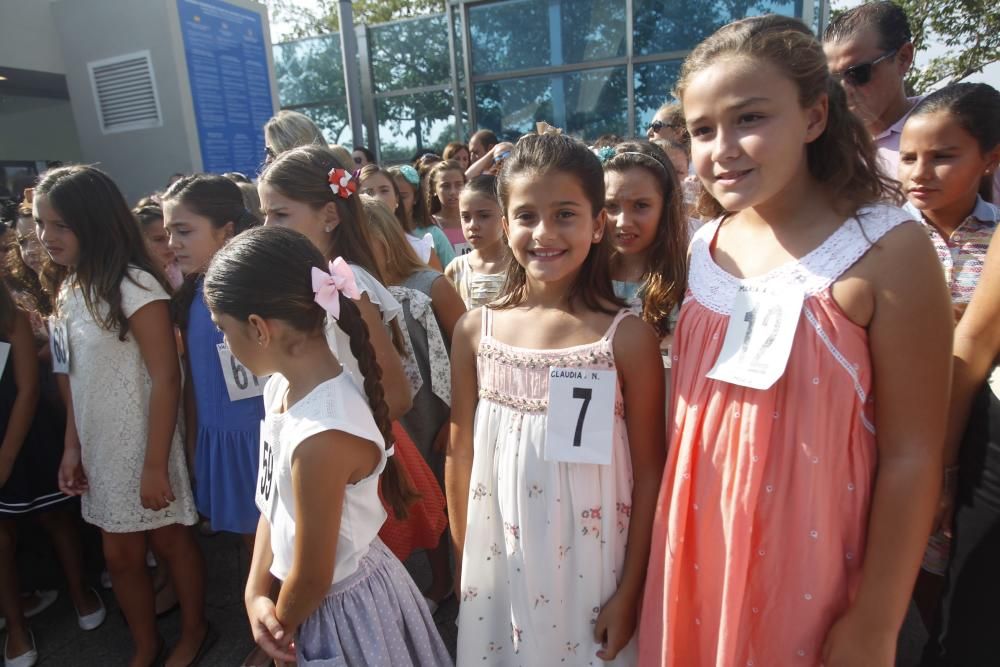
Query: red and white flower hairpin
x=342 y=183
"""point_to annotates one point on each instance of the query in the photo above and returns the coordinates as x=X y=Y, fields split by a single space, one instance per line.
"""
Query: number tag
x=59 y=344
x=4 y=354
x=462 y=248
x=759 y=337
x=580 y=424
x=266 y=493
x=240 y=383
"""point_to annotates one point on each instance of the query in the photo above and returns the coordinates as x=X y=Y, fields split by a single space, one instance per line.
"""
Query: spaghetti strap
x=487 y=320
x=622 y=314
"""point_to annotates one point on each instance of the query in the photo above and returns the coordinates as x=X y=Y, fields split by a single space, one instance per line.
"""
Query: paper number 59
x=585 y=393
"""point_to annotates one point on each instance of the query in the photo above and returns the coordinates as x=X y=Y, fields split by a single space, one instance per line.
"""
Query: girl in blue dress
x=222 y=400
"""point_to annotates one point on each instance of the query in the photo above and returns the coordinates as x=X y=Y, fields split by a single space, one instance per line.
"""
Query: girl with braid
x=323 y=452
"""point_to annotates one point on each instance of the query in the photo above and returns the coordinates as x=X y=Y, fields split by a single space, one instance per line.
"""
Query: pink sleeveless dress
x=760 y=527
x=545 y=541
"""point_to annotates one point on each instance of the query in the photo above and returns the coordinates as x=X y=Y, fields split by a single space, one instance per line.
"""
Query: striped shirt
x=963 y=253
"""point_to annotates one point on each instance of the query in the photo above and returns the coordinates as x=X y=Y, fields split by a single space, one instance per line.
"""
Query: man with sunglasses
x=869 y=51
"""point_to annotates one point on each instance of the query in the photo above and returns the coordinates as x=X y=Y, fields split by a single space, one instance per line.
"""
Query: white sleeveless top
x=334 y=405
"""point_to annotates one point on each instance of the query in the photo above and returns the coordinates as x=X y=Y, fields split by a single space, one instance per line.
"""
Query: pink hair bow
x=329 y=286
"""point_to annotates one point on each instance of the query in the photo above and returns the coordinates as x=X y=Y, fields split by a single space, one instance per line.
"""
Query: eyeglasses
x=658 y=125
x=861 y=74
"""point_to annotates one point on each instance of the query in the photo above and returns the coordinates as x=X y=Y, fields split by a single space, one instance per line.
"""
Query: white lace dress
x=111 y=389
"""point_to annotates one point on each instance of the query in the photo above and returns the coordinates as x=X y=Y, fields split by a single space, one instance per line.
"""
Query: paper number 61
x=585 y=393
x=240 y=374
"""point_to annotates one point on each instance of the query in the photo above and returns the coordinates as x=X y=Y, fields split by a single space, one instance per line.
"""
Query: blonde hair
x=290 y=129
x=400 y=259
x=343 y=156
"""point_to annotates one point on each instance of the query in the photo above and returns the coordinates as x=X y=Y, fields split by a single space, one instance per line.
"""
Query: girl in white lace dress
x=123 y=452
x=553 y=471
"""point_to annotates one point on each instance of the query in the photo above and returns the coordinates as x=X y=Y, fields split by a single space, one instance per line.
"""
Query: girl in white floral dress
x=552 y=474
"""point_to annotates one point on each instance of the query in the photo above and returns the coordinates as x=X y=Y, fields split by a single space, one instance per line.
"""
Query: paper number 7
x=585 y=393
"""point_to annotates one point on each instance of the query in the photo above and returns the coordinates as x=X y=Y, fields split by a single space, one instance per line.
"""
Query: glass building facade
x=590 y=67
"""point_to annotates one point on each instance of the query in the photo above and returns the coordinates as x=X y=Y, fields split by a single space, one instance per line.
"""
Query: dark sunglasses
x=860 y=74
x=658 y=125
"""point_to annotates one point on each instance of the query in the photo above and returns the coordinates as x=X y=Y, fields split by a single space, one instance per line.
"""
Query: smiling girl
x=552 y=524
x=810 y=377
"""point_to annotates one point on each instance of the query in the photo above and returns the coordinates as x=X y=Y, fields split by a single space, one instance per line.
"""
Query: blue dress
x=228 y=445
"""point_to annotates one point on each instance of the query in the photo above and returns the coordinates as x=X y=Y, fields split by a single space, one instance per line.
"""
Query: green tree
x=320 y=16
x=968 y=29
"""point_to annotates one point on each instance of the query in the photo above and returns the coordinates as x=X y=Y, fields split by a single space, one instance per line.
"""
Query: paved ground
x=62 y=644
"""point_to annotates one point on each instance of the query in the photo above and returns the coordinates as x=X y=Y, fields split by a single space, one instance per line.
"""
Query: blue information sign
x=227 y=67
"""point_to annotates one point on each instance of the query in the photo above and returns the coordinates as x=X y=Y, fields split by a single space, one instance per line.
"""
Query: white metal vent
x=125 y=92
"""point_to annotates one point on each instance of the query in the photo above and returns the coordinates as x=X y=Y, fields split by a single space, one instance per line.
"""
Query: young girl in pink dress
x=810 y=377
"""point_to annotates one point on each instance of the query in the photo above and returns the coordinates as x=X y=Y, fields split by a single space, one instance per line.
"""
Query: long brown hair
x=220 y=201
x=8 y=310
x=540 y=155
x=400 y=259
x=111 y=243
x=301 y=174
x=266 y=272
x=665 y=274
x=432 y=204
x=843 y=157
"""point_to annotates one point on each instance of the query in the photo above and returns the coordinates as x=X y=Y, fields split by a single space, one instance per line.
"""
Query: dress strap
x=487 y=319
x=622 y=314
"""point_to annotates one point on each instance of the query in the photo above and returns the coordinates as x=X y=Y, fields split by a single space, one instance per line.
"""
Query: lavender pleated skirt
x=376 y=617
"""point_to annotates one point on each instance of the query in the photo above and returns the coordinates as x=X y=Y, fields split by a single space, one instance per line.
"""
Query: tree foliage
x=320 y=16
x=968 y=29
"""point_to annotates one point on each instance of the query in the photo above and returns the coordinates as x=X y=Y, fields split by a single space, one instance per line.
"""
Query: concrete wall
x=139 y=160
x=38 y=128
x=28 y=36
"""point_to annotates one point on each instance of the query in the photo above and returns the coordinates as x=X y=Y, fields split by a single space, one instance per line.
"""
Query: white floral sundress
x=545 y=542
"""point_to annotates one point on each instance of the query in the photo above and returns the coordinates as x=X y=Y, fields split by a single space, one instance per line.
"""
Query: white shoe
x=27 y=659
x=45 y=600
x=94 y=619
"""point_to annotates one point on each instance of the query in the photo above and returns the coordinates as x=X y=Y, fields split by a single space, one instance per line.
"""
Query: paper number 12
x=585 y=393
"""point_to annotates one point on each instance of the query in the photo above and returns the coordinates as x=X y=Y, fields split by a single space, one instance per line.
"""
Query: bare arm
x=190 y=415
x=637 y=351
x=394 y=380
x=448 y=306
x=910 y=337
x=154 y=333
x=977 y=343
x=322 y=467
x=24 y=364
x=464 y=398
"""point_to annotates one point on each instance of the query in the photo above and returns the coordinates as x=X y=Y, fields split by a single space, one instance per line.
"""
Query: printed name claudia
x=572 y=373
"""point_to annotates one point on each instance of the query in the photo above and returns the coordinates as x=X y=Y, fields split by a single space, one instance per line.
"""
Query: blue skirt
x=225 y=471
x=375 y=617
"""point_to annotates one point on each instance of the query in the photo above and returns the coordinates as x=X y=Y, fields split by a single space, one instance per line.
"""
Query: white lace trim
x=715 y=289
x=847 y=365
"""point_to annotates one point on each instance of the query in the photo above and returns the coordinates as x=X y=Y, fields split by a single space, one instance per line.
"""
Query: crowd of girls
x=352 y=366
